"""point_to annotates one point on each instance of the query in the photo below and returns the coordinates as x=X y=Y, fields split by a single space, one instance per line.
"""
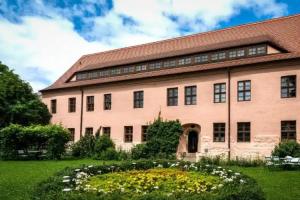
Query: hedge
x=51 y=139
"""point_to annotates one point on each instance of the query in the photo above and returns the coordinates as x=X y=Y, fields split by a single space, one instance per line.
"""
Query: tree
x=18 y=103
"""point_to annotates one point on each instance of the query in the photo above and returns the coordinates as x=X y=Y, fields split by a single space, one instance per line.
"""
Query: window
x=288 y=130
x=141 y=68
x=240 y=53
x=89 y=131
x=170 y=63
x=222 y=55
x=244 y=90
x=184 y=61
x=72 y=104
x=138 y=101
x=53 y=106
x=261 y=50
x=243 y=131
x=172 y=96
x=219 y=132
x=232 y=54
x=128 y=132
x=220 y=92
x=107 y=101
x=72 y=133
x=144 y=133
x=190 y=95
x=252 y=51
x=201 y=58
x=214 y=57
x=288 y=86
x=90 y=103
x=106 y=131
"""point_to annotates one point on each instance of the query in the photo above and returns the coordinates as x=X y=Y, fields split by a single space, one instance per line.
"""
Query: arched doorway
x=189 y=142
x=192 y=141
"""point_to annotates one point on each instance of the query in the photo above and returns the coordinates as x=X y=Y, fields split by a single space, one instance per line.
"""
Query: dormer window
x=206 y=57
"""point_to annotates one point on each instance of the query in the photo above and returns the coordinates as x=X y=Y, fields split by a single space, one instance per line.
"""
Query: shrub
x=108 y=154
x=84 y=147
x=221 y=160
x=52 y=138
x=100 y=147
x=162 y=138
x=139 y=151
x=287 y=148
x=102 y=143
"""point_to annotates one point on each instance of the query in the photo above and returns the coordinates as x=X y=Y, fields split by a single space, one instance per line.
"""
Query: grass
x=277 y=185
x=18 y=178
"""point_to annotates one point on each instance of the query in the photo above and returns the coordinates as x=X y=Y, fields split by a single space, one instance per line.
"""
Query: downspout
x=229 y=112
x=81 y=111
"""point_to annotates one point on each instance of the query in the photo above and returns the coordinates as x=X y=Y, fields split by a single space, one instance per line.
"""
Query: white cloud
x=50 y=44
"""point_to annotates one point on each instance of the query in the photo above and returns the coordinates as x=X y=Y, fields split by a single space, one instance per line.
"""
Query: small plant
x=287 y=148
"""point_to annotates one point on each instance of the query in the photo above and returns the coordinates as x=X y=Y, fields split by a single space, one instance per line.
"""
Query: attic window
x=195 y=59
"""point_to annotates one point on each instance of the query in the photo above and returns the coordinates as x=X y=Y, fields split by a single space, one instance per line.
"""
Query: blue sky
x=41 y=39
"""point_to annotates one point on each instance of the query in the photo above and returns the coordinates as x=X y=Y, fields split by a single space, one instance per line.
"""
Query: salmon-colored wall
x=265 y=110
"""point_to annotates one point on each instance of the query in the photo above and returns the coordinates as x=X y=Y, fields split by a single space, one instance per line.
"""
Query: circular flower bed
x=149 y=180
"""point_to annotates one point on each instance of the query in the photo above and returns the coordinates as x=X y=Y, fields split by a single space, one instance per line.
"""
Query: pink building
x=234 y=90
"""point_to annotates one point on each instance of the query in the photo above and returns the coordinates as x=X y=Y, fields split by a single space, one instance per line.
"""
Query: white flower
x=77 y=170
x=66 y=177
x=67 y=190
x=66 y=181
x=159 y=165
x=242 y=181
x=156 y=187
x=220 y=185
x=228 y=180
x=237 y=174
x=90 y=166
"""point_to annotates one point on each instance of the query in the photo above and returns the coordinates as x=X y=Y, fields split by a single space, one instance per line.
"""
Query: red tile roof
x=284 y=32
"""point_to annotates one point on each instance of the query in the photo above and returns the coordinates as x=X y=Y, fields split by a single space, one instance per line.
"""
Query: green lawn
x=277 y=185
x=18 y=178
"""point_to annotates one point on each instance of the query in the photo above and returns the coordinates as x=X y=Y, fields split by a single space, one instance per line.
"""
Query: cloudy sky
x=40 y=39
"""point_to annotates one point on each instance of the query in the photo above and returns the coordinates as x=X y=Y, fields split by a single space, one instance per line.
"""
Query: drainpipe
x=81 y=111
x=229 y=112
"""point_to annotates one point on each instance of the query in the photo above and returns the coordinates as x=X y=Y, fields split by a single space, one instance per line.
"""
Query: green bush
x=84 y=147
x=287 y=148
x=139 y=151
x=52 y=138
x=100 y=147
x=222 y=161
x=162 y=139
x=102 y=143
x=108 y=154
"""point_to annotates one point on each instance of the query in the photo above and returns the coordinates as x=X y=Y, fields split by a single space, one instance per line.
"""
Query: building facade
x=234 y=90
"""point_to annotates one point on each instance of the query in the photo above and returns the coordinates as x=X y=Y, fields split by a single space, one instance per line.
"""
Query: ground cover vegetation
x=19 y=179
x=146 y=179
